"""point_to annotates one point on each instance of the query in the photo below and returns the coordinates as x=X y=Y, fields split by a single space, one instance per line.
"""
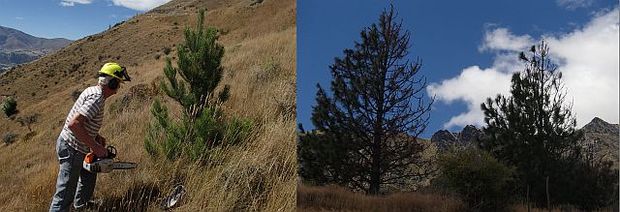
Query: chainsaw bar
x=124 y=165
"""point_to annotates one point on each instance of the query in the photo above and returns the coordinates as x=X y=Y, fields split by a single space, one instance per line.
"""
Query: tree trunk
x=375 y=170
x=527 y=198
x=375 y=179
x=547 y=189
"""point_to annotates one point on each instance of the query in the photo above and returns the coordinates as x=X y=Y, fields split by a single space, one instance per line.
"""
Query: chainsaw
x=104 y=165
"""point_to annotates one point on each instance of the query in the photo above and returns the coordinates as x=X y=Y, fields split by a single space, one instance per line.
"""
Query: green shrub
x=9 y=138
x=591 y=185
x=211 y=130
x=479 y=179
x=164 y=136
x=237 y=130
x=9 y=106
x=193 y=138
x=208 y=133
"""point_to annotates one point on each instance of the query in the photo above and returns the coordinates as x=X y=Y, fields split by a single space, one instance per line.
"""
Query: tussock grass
x=333 y=198
x=257 y=175
x=259 y=66
x=523 y=208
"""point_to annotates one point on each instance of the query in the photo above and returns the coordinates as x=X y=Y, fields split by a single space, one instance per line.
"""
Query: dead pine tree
x=366 y=131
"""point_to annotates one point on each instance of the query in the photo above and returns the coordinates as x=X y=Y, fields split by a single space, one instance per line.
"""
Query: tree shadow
x=136 y=198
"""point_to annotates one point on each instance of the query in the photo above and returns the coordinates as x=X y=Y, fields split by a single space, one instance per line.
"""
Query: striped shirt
x=90 y=104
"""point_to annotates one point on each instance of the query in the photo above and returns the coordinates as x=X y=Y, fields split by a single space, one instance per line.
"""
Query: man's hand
x=76 y=125
x=101 y=140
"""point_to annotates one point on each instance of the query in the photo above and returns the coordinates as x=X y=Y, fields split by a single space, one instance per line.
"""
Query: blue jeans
x=71 y=177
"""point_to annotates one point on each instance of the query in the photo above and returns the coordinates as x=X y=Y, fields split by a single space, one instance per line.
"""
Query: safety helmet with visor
x=117 y=72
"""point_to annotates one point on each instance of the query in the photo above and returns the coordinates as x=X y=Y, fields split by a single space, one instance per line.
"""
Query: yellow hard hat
x=115 y=70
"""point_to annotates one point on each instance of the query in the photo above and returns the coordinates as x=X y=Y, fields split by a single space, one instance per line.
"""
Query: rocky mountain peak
x=602 y=139
x=470 y=133
x=443 y=135
x=598 y=125
x=444 y=138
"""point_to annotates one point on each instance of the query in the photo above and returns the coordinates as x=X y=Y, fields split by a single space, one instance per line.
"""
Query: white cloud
x=472 y=86
x=590 y=67
x=588 y=59
x=70 y=3
x=142 y=5
x=502 y=39
x=574 y=4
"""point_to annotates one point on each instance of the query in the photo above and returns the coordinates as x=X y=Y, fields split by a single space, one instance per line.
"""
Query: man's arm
x=101 y=140
x=76 y=125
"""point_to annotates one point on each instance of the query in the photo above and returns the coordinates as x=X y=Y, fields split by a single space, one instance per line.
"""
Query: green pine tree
x=200 y=69
x=193 y=84
x=533 y=129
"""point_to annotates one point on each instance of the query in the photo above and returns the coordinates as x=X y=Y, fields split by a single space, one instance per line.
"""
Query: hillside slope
x=259 y=62
x=17 y=47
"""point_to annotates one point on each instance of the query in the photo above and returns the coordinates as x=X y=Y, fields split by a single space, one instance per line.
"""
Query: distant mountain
x=600 y=138
x=17 y=47
x=12 y=39
x=443 y=139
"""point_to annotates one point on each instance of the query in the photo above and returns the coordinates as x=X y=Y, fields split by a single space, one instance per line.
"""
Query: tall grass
x=333 y=198
x=259 y=174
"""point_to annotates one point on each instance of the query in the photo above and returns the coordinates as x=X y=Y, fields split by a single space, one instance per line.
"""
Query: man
x=79 y=136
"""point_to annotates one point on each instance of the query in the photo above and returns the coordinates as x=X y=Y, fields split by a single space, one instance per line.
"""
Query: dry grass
x=523 y=208
x=333 y=198
x=259 y=65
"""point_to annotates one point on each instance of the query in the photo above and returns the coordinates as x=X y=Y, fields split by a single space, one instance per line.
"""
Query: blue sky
x=71 y=19
x=461 y=44
x=467 y=47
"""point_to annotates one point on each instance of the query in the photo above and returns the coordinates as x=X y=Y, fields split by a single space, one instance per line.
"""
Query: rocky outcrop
x=600 y=126
x=443 y=139
x=601 y=139
x=470 y=134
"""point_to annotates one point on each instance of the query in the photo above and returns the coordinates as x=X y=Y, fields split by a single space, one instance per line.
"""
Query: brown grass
x=523 y=208
x=333 y=198
x=259 y=65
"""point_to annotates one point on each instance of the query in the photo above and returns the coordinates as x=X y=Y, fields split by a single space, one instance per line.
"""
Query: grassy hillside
x=259 y=66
